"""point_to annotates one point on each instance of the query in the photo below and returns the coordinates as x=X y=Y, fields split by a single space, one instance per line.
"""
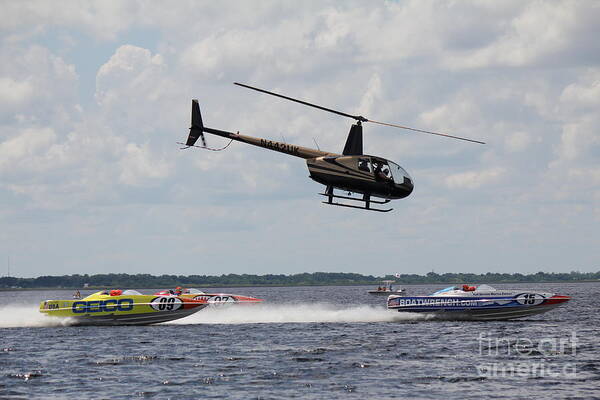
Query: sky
x=94 y=96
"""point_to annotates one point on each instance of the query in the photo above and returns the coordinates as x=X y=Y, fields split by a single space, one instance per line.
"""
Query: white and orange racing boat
x=210 y=298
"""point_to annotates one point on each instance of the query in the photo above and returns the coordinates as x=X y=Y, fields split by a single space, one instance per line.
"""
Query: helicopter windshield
x=398 y=173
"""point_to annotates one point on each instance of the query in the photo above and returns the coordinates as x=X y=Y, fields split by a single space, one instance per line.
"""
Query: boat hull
x=133 y=319
x=478 y=308
x=218 y=299
x=386 y=292
x=213 y=299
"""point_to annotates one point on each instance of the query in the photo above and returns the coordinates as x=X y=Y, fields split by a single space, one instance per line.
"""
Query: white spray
x=297 y=313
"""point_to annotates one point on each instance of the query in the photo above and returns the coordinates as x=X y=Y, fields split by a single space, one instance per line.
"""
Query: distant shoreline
x=260 y=286
x=147 y=281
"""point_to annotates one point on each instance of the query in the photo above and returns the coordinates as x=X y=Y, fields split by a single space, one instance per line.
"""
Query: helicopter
x=351 y=172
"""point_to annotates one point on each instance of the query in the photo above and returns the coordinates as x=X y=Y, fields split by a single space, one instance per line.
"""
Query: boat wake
x=288 y=313
x=28 y=316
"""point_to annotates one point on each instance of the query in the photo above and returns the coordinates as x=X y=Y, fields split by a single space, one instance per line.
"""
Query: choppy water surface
x=310 y=343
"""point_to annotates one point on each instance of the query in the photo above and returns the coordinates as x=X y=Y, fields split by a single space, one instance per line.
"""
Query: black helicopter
x=352 y=171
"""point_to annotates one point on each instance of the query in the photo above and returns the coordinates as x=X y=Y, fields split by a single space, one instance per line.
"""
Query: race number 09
x=165 y=303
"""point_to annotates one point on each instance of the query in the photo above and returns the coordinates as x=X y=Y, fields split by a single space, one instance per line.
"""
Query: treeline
x=305 y=279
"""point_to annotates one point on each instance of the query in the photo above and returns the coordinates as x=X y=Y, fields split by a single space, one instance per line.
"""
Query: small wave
x=303 y=313
x=141 y=359
x=22 y=316
x=26 y=376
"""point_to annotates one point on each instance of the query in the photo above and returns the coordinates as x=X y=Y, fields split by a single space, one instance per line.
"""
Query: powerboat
x=479 y=303
x=117 y=307
x=213 y=299
x=386 y=288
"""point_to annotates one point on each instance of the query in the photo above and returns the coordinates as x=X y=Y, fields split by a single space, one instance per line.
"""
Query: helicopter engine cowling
x=354 y=142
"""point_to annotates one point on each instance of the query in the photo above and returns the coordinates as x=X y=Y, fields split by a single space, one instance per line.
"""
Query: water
x=308 y=343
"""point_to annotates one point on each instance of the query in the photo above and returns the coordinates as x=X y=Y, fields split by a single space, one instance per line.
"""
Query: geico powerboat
x=479 y=303
x=117 y=307
x=210 y=298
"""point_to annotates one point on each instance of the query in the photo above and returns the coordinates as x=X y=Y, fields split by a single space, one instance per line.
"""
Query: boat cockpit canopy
x=116 y=292
x=131 y=292
x=446 y=290
x=486 y=288
x=193 y=291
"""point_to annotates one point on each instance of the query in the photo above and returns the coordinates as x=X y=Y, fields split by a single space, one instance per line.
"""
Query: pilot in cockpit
x=363 y=165
x=382 y=174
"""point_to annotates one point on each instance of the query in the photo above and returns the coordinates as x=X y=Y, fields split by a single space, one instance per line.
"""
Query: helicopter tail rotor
x=197 y=131
x=197 y=128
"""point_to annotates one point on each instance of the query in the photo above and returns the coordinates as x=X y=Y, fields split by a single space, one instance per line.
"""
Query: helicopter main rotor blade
x=356 y=117
x=359 y=118
x=422 y=131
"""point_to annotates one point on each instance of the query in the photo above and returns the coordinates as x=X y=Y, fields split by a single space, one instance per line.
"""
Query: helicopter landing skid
x=366 y=199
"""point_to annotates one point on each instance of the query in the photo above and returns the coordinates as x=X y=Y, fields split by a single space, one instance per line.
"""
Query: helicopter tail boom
x=197 y=130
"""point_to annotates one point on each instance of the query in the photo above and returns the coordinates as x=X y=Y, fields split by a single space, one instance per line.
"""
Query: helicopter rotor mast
x=358 y=118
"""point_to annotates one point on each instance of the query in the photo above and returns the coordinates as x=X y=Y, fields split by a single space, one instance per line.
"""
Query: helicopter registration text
x=283 y=147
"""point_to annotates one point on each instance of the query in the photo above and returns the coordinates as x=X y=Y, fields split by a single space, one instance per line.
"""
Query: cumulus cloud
x=102 y=19
x=132 y=72
x=538 y=32
x=36 y=82
x=475 y=179
x=372 y=96
x=578 y=140
x=26 y=150
x=459 y=113
x=57 y=155
x=584 y=94
x=14 y=93
x=578 y=110
x=518 y=141
x=139 y=164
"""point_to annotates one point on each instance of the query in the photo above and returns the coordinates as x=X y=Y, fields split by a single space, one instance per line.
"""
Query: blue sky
x=94 y=95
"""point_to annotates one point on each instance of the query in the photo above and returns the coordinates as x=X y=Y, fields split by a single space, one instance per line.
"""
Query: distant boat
x=386 y=289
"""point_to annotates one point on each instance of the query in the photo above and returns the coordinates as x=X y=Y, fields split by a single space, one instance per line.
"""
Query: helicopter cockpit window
x=398 y=173
x=364 y=164
x=381 y=171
